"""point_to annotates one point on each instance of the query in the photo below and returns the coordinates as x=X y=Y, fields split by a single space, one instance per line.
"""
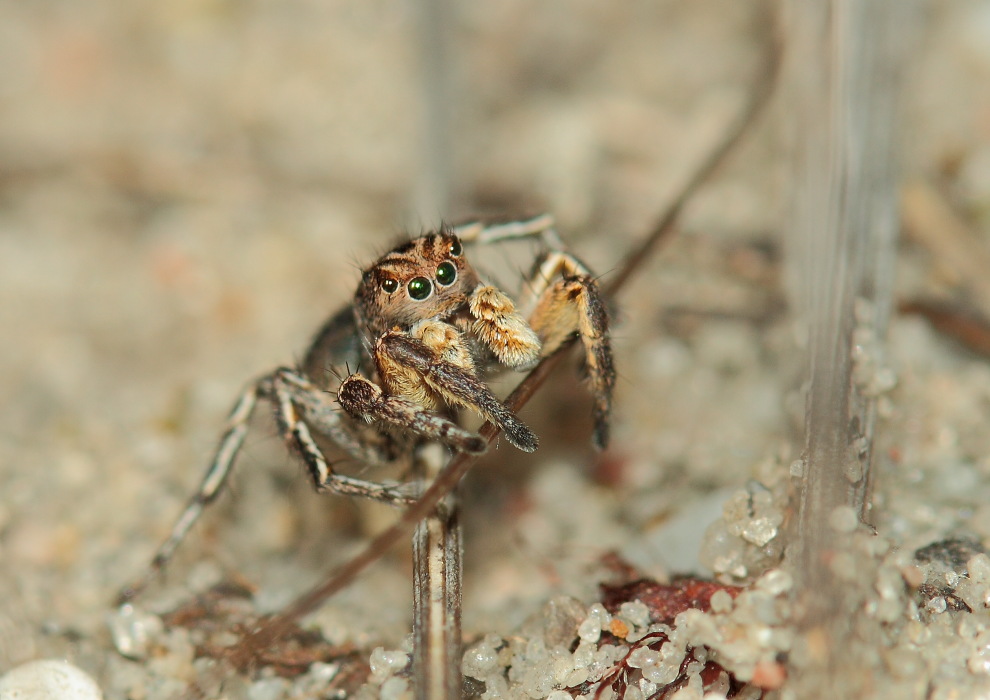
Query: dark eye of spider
x=446 y=273
x=390 y=285
x=419 y=288
x=455 y=248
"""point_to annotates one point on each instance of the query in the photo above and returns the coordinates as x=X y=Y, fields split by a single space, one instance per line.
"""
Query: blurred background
x=188 y=189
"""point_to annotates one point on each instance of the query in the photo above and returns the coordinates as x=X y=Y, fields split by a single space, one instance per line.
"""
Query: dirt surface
x=187 y=190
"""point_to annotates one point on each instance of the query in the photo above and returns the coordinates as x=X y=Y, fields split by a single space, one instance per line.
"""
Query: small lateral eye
x=419 y=288
x=446 y=273
x=455 y=248
x=389 y=285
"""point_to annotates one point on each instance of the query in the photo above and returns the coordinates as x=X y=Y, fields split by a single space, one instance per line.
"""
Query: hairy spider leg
x=562 y=298
x=214 y=478
x=288 y=389
x=396 y=353
x=456 y=385
x=284 y=388
x=322 y=412
x=484 y=232
x=502 y=329
x=365 y=399
x=558 y=309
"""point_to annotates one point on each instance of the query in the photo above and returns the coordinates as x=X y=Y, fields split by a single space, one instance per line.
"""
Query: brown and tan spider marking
x=423 y=333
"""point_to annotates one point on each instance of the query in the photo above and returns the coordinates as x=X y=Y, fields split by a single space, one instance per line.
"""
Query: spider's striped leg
x=213 y=480
x=289 y=392
x=563 y=299
x=484 y=232
x=365 y=399
x=426 y=364
x=320 y=409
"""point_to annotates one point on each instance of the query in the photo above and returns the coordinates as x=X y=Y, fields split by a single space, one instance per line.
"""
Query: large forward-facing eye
x=419 y=288
x=446 y=273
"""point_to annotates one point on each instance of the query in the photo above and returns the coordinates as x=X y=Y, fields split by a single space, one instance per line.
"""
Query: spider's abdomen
x=336 y=347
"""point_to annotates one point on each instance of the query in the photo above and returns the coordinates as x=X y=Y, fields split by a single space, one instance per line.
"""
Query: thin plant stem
x=437 y=566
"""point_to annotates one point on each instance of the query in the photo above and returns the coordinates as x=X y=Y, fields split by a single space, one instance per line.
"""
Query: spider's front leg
x=502 y=329
x=300 y=408
x=417 y=372
x=363 y=398
x=564 y=299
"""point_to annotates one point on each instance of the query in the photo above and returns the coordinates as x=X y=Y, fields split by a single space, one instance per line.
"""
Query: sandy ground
x=188 y=189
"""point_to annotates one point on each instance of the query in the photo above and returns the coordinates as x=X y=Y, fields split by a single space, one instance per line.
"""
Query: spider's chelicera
x=422 y=335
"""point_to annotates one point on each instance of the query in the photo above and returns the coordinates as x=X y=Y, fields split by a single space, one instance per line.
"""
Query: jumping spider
x=420 y=337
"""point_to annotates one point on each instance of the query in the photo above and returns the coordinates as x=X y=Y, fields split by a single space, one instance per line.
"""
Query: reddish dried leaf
x=665 y=601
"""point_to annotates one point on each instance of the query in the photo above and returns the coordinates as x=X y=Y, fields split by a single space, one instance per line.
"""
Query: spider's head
x=425 y=278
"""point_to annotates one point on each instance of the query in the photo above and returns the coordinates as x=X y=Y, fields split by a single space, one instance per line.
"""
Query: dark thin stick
x=450 y=476
x=966 y=326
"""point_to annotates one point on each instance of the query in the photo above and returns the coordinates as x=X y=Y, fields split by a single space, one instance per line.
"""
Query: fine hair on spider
x=389 y=371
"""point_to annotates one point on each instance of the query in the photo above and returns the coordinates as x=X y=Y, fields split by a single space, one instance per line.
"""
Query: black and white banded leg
x=290 y=389
x=322 y=412
x=213 y=480
x=285 y=388
x=487 y=232
x=563 y=298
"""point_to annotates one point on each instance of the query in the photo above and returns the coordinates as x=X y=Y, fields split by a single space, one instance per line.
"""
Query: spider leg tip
x=527 y=441
x=602 y=431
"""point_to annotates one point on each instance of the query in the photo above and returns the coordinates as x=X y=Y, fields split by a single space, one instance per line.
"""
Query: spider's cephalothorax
x=422 y=335
x=433 y=330
x=425 y=278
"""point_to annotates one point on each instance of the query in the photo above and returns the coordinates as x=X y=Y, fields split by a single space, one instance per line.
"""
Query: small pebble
x=760 y=531
x=775 y=582
x=598 y=618
x=619 y=628
x=721 y=602
x=643 y=656
x=481 y=659
x=635 y=612
x=48 y=679
x=395 y=688
x=133 y=631
x=386 y=663
x=576 y=677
